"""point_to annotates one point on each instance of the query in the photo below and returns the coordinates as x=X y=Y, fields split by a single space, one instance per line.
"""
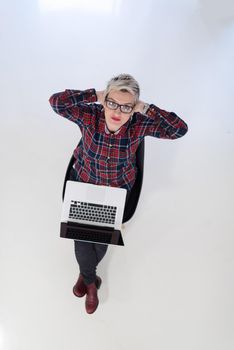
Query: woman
x=111 y=131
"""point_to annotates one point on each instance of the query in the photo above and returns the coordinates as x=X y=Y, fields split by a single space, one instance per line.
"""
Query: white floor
x=172 y=285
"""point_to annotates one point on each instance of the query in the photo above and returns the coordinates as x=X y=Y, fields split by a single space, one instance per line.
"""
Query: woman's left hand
x=140 y=106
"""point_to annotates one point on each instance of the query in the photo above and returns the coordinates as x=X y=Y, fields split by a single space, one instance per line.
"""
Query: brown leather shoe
x=79 y=288
x=91 y=302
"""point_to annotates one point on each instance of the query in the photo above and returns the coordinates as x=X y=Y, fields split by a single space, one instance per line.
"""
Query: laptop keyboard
x=92 y=212
x=101 y=237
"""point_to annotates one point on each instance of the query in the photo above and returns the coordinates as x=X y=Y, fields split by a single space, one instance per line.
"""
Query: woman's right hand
x=100 y=97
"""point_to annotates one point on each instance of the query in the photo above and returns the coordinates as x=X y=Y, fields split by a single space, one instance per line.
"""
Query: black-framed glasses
x=114 y=105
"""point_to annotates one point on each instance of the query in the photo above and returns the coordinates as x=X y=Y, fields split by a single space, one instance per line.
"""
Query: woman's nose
x=118 y=111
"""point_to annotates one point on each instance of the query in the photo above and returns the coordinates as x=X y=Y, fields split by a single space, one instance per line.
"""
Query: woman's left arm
x=160 y=123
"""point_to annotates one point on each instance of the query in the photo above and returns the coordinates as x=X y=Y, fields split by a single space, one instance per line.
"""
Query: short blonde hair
x=124 y=83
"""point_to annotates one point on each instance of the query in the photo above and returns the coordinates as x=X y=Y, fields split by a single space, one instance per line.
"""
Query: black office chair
x=132 y=202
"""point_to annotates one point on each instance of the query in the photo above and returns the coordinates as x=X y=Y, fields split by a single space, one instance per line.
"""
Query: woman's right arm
x=73 y=104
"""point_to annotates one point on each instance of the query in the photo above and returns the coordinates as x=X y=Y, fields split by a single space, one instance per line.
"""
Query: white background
x=172 y=285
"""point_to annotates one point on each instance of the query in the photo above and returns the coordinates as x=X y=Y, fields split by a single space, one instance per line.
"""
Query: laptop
x=93 y=213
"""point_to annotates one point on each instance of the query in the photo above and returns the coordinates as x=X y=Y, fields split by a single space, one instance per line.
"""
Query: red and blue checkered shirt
x=106 y=158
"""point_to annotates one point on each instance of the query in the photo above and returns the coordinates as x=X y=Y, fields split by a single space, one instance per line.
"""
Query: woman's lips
x=116 y=119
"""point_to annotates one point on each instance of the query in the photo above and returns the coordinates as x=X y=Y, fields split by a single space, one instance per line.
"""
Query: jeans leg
x=100 y=250
x=88 y=255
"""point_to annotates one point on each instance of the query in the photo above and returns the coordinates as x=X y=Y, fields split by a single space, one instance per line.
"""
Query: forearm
x=168 y=124
x=161 y=124
x=62 y=101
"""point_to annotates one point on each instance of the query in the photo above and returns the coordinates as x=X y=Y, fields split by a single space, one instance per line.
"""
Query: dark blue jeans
x=88 y=256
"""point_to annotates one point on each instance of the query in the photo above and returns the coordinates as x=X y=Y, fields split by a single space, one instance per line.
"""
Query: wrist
x=145 y=108
x=99 y=95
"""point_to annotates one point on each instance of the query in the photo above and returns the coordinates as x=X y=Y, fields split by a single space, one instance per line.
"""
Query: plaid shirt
x=107 y=158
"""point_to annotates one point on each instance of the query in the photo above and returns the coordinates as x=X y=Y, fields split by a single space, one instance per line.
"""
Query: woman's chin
x=113 y=127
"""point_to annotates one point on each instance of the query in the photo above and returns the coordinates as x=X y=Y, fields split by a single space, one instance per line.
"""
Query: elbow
x=179 y=132
x=183 y=130
x=54 y=103
x=52 y=100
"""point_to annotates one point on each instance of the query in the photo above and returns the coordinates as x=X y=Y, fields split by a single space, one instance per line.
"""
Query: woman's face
x=116 y=117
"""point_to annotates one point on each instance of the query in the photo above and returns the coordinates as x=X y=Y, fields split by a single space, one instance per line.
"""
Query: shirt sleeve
x=161 y=124
x=75 y=105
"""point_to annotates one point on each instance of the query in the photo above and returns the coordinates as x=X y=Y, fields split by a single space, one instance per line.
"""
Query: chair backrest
x=134 y=196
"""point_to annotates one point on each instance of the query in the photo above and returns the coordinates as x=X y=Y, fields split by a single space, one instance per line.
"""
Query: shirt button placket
x=110 y=145
x=108 y=158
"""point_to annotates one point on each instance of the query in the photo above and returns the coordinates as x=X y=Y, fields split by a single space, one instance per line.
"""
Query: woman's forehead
x=121 y=97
